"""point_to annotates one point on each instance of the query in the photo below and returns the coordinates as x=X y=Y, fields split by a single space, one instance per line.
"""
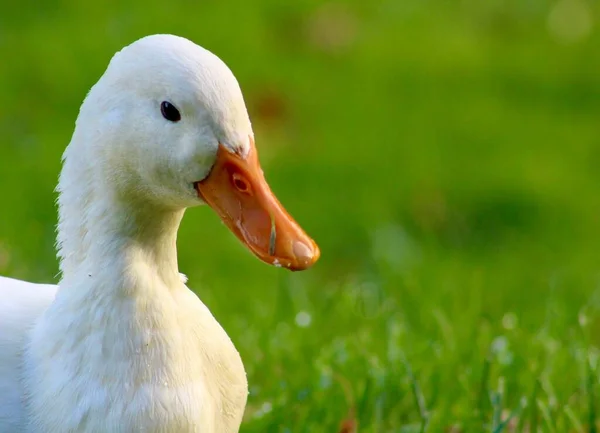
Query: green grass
x=445 y=155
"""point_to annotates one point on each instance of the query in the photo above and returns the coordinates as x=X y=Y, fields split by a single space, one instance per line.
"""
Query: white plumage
x=124 y=345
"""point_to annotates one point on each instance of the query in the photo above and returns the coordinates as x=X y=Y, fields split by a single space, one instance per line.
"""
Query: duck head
x=172 y=129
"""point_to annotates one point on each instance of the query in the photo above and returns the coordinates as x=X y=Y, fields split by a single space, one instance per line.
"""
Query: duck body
x=92 y=379
x=121 y=344
x=22 y=304
x=154 y=363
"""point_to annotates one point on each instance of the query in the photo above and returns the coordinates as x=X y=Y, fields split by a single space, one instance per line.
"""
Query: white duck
x=121 y=344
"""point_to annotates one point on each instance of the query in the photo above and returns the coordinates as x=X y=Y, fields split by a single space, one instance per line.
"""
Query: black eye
x=169 y=111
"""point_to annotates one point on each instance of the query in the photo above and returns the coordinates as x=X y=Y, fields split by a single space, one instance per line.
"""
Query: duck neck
x=112 y=241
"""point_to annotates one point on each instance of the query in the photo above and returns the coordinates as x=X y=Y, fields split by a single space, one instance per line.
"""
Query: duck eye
x=169 y=111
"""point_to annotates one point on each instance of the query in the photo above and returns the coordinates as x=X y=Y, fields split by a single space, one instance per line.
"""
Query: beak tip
x=305 y=255
x=316 y=253
x=302 y=251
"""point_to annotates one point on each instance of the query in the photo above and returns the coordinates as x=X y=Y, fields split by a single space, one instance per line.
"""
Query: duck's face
x=180 y=136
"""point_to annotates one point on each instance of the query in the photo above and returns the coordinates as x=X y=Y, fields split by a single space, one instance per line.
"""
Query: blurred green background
x=445 y=156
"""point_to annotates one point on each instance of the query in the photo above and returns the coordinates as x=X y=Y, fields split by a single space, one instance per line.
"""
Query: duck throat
x=108 y=236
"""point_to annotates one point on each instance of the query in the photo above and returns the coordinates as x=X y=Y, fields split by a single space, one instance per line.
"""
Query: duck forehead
x=240 y=146
x=166 y=66
x=175 y=64
x=231 y=124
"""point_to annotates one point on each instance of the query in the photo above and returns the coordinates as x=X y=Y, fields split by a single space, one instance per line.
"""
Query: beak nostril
x=240 y=183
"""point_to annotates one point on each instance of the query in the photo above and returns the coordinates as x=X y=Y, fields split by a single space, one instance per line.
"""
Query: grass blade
x=484 y=388
x=547 y=417
x=516 y=412
x=573 y=419
x=591 y=398
x=417 y=394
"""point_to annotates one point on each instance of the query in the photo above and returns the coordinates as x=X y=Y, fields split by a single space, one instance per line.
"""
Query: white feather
x=122 y=344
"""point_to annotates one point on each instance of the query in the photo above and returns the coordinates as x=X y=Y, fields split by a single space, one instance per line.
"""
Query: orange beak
x=237 y=190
